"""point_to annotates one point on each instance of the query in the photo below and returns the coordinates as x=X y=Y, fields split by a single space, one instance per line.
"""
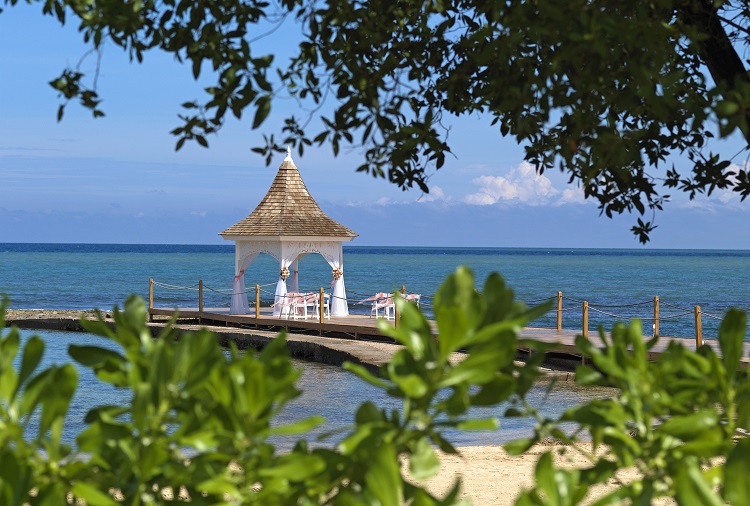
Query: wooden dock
x=365 y=327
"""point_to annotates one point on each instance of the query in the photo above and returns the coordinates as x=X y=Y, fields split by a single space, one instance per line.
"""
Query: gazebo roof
x=288 y=209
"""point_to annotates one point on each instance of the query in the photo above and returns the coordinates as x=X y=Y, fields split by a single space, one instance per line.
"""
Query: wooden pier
x=358 y=326
x=365 y=327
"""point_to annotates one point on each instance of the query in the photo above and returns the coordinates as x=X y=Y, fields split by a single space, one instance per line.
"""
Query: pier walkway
x=363 y=327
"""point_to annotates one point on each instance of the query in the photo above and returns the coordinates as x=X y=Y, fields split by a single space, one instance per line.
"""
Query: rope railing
x=676 y=307
x=424 y=301
x=175 y=287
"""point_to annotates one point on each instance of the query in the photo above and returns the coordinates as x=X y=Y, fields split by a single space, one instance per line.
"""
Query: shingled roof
x=288 y=209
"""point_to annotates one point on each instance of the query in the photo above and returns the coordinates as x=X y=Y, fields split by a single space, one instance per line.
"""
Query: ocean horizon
x=618 y=283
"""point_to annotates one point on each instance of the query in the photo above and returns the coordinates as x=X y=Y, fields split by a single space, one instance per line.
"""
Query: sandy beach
x=491 y=477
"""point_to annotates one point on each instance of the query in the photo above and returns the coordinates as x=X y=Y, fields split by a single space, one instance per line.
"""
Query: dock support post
x=396 y=315
x=150 y=298
x=698 y=328
x=585 y=327
x=321 y=308
x=559 y=312
x=656 y=315
x=200 y=300
x=257 y=304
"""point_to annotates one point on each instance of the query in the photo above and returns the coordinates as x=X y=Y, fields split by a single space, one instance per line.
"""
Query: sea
x=618 y=284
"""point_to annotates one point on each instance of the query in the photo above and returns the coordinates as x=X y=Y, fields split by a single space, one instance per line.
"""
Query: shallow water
x=328 y=391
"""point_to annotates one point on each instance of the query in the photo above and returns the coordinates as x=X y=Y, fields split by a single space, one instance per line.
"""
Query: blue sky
x=119 y=180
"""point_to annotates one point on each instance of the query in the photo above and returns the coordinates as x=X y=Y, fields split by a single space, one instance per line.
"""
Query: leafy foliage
x=605 y=91
x=680 y=421
x=199 y=421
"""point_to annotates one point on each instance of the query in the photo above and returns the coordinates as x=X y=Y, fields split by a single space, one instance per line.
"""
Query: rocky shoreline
x=44 y=314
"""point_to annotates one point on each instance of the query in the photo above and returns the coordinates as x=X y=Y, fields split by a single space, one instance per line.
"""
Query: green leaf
x=518 y=446
x=423 y=462
x=365 y=375
x=494 y=392
x=545 y=478
x=32 y=355
x=732 y=338
x=737 y=474
x=93 y=356
x=264 y=107
x=92 y=495
x=368 y=412
x=588 y=376
x=383 y=478
x=726 y=108
x=299 y=427
x=691 y=489
x=485 y=424
x=295 y=467
x=690 y=426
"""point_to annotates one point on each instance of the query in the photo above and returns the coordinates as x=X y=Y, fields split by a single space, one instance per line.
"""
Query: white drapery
x=335 y=258
x=239 y=303
x=288 y=253
x=294 y=275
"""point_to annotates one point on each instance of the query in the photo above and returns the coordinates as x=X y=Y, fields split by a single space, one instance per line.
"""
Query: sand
x=491 y=477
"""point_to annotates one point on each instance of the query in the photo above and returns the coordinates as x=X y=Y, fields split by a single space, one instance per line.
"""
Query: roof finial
x=288 y=154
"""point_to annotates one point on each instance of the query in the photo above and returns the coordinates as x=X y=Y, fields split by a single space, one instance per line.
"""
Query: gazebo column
x=239 y=303
x=288 y=253
x=293 y=284
x=339 y=306
x=243 y=257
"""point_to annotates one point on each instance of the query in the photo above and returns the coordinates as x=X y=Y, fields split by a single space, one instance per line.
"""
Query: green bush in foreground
x=199 y=421
x=680 y=421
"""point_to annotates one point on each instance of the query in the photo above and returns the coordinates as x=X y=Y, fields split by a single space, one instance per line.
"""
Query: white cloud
x=572 y=195
x=436 y=193
x=521 y=185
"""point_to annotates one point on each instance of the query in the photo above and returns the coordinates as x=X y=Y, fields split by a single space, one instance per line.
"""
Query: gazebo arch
x=288 y=224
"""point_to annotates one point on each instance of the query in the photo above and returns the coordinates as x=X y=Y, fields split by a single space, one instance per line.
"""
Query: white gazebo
x=288 y=224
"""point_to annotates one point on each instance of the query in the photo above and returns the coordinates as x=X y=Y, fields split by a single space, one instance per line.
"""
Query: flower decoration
x=337 y=273
x=284 y=273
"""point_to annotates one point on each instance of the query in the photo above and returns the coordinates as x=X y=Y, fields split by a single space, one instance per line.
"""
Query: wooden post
x=257 y=303
x=656 y=315
x=585 y=326
x=200 y=296
x=321 y=308
x=559 y=312
x=698 y=328
x=403 y=290
x=150 y=298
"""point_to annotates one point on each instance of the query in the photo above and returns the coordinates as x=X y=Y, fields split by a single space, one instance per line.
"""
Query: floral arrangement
x=284 y=273
x=337 y=273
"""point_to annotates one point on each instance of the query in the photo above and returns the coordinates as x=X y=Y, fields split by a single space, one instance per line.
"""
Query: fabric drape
x=281 y=289
x=335 y=259
x=239 y=303
x=294 y=276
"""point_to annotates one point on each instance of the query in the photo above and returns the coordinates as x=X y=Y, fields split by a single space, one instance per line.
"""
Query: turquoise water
x=81 y=276
x=328 y=391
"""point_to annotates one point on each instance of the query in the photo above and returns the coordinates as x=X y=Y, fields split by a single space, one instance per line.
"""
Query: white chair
x=326 y=305
x=413 y=297
x=287 y=304
x=386 y=304
x=302 y=303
